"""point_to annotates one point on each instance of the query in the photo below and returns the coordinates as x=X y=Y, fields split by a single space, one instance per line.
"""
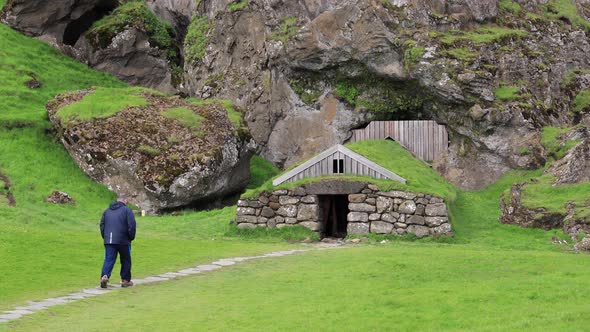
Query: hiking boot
x=104 y=281
x=126 y=283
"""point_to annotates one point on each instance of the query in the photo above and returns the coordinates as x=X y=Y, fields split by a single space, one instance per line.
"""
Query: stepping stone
x=240 y=259
x=19 y=312
x=155 y=279
x=78 y=296
x=224 y=262
x=171 y=275
x=34 y=306
x=208 y=267
x=139 y=281
x=56 y=301
x=95 y=291
x=190 y=271
x=10 y=316
x=274 y=254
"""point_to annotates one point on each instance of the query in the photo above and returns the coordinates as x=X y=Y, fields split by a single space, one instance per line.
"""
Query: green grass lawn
x=488 y=277
x=401 y=287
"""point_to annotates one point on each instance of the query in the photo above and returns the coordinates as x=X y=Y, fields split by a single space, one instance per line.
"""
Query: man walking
x=117 y=228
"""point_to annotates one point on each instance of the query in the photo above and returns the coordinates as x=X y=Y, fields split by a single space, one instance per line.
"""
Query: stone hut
x=335 y=207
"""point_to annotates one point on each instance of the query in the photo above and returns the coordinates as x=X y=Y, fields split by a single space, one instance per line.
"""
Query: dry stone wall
x=370 y=211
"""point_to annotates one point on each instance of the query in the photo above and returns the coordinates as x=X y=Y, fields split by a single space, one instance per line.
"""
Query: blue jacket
x=117 y=225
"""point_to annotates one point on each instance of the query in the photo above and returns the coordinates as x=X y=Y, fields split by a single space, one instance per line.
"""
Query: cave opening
x=77 y=27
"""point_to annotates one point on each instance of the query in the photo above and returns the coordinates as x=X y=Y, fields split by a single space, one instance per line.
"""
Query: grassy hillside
x=47 y=249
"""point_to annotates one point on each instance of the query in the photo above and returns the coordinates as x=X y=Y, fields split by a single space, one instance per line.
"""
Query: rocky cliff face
x=567 y=179
x=165 y=153
x=309 y=71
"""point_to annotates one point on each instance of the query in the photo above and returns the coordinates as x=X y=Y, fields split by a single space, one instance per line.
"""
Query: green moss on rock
x=134 y=14
x=195 y=42
x=101 y=103
x=506 y=93
x=287 y=28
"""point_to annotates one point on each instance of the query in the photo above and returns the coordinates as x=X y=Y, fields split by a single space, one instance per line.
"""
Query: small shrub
x=287 y=29
x=308 y=96
x=347 y=91
x=148 y=150
x=134 y=14
x=506 y=93
x=462 y=54
x=582 y=101
x=509 y=6
x=195 y=42
x=237 y=5
x=413 y=54
x=186 y=117
x=261 y=170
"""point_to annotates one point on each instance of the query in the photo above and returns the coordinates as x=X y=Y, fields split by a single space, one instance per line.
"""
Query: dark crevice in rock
x=209 y=203
x=77 y=27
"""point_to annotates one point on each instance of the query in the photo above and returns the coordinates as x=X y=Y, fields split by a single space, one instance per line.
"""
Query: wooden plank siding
x=424 y=139
x=322 y=165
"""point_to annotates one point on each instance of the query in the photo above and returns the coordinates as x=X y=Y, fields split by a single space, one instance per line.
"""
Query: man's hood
x=116 y=205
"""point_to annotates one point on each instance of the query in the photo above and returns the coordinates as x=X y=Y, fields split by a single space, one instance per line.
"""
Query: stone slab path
x=33 y=307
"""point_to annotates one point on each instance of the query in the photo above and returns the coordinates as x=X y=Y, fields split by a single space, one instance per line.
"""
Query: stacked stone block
x=280 y=208
x=371 y=211
x=396 y=212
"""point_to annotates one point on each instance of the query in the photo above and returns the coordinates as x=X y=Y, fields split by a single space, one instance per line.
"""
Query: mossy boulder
x=164 y=151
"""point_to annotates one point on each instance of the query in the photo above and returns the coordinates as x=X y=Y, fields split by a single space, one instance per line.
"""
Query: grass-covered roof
x=419 y=176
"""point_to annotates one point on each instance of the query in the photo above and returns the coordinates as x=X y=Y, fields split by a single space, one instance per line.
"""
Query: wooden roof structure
x=337 y=160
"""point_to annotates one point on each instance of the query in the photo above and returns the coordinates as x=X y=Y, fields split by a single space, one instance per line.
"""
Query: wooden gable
x=334 y=161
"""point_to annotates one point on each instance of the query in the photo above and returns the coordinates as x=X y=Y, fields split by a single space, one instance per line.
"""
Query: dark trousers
x=110 y=257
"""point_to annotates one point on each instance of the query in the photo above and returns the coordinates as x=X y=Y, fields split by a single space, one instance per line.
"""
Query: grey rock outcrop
x=310 y=71
x=160 y=163
x=131 y=54
x=575 y=166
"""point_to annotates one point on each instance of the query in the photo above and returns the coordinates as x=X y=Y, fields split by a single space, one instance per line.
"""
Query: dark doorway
x=334 y=212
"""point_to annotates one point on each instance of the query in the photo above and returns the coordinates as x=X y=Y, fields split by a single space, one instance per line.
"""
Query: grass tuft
x=261 y=170
x=134 y=13
x=287 y=28
x=509 y=6
x=195 y=42
x=565 y=9
x=582 y=101
x=185 y=117
x=101 y=103
x=237 y=5
x=506 y=93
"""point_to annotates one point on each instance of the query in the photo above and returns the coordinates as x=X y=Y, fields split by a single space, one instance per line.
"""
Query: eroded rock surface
x=575 y=166
x=130 y=54
x=309 y=71
x=158 y=161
